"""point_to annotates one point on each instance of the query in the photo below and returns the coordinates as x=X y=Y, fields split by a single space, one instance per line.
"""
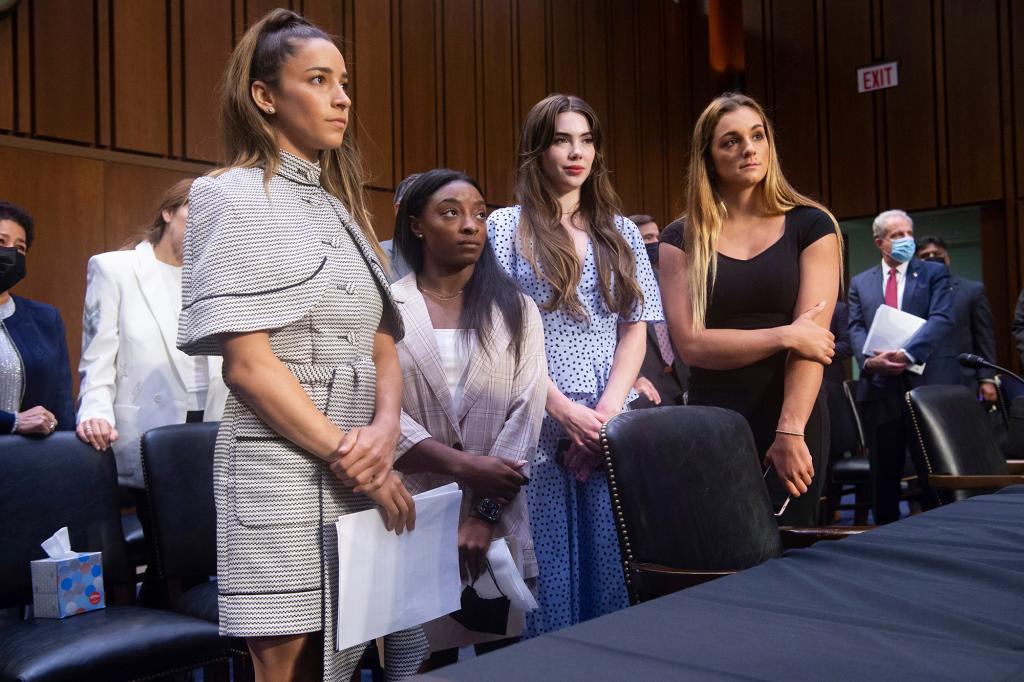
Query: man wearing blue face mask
x=920 y=288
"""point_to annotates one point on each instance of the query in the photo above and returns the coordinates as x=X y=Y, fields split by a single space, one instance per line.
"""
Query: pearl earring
x=270 y=110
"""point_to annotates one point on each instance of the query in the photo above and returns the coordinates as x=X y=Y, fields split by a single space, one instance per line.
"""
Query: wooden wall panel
x=255 y=9
x=23 y=68
x=69 y=227
x=64 y=70
x=972 y=100
x=532 y=53
x=499 y=125
x=372 y=89
x=383 y=209
x=206 y=43
x=794 y=107
x=621 y=126
x=141 y=89
x=651 y=110
x=595 y=72
x=327 y=14
x=851 y=118
x=678 y=118
x=461 y=113
x=911 y=151
x=1017 y=83
x=417 y=112
x=7 y=87
x=566 y=43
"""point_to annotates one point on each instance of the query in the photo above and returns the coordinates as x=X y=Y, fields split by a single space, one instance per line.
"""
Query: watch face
x=488 y=510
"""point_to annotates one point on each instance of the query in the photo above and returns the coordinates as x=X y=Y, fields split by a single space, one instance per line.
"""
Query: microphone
x=977 y=362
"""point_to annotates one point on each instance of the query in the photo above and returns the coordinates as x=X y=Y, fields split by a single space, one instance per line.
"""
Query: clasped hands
x=363 y=460
x=888 y=362
x=583 y=425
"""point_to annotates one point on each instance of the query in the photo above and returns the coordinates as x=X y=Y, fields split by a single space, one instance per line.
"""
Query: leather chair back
x=845 y=440
x=177 y=462
x=49 y=483
x=687 y=489
x=951 y=436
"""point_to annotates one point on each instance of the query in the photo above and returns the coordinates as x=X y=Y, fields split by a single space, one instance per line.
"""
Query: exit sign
x=878 y=77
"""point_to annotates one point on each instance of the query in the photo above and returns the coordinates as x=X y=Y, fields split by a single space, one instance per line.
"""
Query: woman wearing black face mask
x=35 y=375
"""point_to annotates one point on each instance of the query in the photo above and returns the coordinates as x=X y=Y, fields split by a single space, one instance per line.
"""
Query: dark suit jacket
x=672 y=385
x=972 y=330
x=1018 y=325
x=840 y=328
x=926 y=294
x=38 y=332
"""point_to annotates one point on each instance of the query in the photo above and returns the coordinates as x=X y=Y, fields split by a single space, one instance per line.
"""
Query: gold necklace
x=438 y=296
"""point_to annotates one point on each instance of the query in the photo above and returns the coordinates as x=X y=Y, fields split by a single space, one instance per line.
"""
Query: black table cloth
x=938 y=596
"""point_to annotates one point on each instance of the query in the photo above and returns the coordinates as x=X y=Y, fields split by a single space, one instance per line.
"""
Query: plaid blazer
x=502 y=404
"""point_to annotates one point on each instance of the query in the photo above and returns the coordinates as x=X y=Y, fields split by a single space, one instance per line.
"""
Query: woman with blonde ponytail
x=749 y=279
x=282 y=277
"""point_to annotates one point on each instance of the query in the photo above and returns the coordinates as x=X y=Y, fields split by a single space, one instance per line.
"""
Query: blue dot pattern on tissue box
x=81 y=584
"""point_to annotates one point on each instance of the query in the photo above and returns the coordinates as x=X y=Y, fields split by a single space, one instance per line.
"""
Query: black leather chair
x=689 y=498
x=1011 y=410
x=59 y=481
x=954 y=448
x=849 y=468
x=177 y=464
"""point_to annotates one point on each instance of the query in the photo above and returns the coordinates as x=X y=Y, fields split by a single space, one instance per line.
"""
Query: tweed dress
x=288 y=259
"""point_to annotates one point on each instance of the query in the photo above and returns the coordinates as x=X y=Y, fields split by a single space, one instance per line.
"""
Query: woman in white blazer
x=474 y=380
x=133 y=378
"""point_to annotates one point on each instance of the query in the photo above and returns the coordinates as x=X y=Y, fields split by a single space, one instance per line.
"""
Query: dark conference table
x=938 y=596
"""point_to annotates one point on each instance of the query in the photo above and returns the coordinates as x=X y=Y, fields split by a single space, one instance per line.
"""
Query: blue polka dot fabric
x=573 y=528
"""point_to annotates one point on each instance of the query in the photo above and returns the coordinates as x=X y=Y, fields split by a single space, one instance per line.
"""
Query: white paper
x=509 y=581
x=58 y=545
x=891 y=330
x=389 y=582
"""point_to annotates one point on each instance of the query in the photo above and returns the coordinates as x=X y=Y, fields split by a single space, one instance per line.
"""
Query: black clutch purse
x=483 y=615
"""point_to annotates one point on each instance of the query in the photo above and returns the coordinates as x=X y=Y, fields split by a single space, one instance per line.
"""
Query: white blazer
x=131 y=372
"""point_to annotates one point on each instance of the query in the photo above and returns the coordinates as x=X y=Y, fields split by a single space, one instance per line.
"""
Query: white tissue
x=509 y=581
x=58 y=545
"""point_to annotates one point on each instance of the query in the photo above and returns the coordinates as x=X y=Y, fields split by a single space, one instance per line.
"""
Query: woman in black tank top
x=749 y=280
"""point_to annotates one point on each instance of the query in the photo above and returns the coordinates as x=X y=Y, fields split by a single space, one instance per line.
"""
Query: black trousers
x=886 y=440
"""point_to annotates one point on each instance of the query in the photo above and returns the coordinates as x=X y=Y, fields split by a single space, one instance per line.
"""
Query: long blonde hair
x=541 y=237
x=705 y=210
x=248 y=138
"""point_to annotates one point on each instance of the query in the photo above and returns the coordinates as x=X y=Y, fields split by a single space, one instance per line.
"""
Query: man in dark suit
x=919 y=288
x=1018 y=325
x=663 y=376
x=973 y=329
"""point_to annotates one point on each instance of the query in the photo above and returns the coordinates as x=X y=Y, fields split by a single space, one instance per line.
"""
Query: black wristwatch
x=487 y=510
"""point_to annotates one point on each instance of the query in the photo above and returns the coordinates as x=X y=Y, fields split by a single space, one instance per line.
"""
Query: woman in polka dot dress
x=585 y=266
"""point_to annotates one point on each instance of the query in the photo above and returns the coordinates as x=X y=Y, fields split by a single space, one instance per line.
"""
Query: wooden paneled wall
x=951 y=133
x=105 y=103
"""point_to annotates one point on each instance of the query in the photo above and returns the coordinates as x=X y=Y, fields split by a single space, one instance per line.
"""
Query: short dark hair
x=9 y=211
x=932 y=239
x=642 y=219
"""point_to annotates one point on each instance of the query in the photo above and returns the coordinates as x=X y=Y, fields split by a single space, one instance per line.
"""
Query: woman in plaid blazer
x=474 y=375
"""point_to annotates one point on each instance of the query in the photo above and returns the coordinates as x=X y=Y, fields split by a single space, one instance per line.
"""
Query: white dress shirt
x=901 y=280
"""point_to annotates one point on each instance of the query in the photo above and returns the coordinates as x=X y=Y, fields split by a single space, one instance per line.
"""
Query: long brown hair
x=705 y=210
x=545 y=243
x=173 y=199
x=247 y=136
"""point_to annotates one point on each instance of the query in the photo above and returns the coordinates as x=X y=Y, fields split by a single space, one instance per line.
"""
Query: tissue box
x=69 y=586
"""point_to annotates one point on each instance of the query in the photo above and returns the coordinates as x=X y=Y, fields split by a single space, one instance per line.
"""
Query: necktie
x=890 y=290
x=664 y=343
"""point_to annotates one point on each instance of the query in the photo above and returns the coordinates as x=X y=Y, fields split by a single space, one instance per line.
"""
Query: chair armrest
x=794 y=537
x=1015 y=466
x=944 y=482
x=656 y=580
